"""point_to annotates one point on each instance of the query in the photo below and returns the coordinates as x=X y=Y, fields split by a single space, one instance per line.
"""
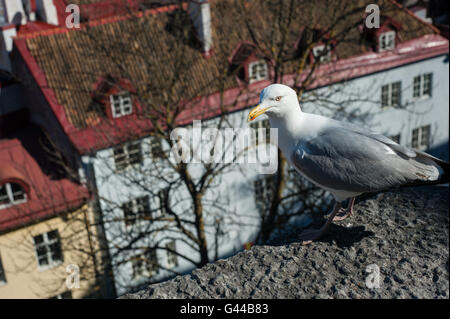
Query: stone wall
x=404 y=233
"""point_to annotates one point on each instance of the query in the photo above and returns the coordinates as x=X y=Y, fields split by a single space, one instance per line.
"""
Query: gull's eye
x=278 y=98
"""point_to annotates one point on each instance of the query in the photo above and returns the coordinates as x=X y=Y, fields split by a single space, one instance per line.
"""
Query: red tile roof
x=24 y=161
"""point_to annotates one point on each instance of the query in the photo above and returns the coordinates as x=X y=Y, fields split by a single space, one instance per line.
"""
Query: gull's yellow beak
x=255 y=112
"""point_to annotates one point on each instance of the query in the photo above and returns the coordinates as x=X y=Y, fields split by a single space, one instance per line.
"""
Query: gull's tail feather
x=426 y=163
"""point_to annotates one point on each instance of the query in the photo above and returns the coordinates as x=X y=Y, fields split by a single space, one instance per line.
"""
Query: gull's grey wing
x=381 y=138
x=343 y=158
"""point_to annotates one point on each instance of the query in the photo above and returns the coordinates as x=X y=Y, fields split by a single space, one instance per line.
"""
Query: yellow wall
x=25 y=279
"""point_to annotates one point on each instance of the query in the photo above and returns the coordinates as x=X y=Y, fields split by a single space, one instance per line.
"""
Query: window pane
x=385 y=95
x=38 y=239
x=56 y=252
x=415 y=138
x=424 y=140
x=4 y=198
x=396 y=93
x=52 y=235
x=416 y=87
x=17 y=192
x=427 y=84
x=156 y=148
x=41 y=250
x=43 y=260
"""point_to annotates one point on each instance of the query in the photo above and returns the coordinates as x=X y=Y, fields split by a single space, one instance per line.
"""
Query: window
x=136 y=209
x=156 y=148
x=120 y=104
x=48 y=249
x=172 y=258
x=258 y=71
x=145 y=265
x=395 y=138
x=127 y=155
x=386 y=41
x=322 y=53
x=422 y=85
x=163 y=196
x=2 y=273
x=64 y=295
x=261 y=124
x=11 y=194
x=391 y=94
x=421 y=138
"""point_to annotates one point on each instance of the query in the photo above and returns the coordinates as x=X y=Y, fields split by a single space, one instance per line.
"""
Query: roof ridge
x=432 y=27
x=100 y=21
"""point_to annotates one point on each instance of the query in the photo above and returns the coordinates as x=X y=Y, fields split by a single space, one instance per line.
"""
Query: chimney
x=13 y=12
x=200 y=13
x=46 y=11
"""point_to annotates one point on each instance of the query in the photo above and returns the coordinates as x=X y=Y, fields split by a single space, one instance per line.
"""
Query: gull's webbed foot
x=343 y=213
x=309 y=235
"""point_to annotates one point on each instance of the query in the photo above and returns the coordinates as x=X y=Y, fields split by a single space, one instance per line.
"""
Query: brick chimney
x=200 y=13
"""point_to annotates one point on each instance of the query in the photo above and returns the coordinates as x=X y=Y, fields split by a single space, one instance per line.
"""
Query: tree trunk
x=200 y=227
x=269 y=222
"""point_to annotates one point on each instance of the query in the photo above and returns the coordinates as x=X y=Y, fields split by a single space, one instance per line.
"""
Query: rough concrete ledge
x=405 y=233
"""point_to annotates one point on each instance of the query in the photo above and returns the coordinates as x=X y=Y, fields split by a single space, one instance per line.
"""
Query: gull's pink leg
x=309 y=235
x=345 y=212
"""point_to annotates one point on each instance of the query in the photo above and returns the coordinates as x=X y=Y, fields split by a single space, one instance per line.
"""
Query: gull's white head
x=276 y=100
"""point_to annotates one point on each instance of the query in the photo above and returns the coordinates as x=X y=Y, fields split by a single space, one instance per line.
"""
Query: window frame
x=387 y=91
x=420 y=138
x=123 y=97
x=147 y=259
x=322 y=58
x=126 y=159
x=252 y=78
x=420 y=88
x=265 y=123
x=172 y=258
x=10 y=194
x=47 y=243
x=163 y=195
x=139 y=207
x=156 y=149
x=266 y=184
x=382 y=40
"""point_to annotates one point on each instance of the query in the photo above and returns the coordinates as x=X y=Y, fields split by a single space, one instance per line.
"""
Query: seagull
x=344 y=159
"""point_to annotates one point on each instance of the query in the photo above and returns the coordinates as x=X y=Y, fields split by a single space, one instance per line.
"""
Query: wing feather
x=345 y=158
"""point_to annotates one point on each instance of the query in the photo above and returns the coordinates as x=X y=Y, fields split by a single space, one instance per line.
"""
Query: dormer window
x=11 y=194
x=386 y=41
x=322 y=53
x=258 y=71
x=121 y=104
